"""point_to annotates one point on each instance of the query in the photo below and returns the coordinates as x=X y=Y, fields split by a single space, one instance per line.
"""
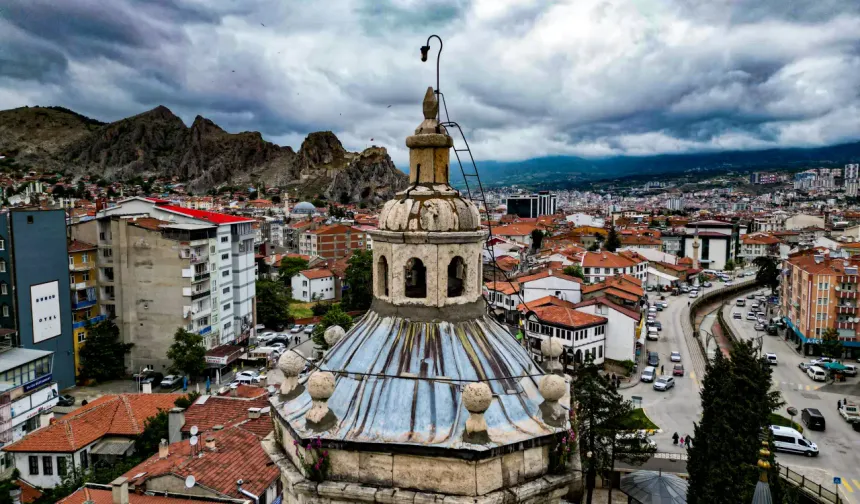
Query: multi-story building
x=315 y=285
x=82 y=279
x=34 y=286
x=532 y=205
x=272 y=231
x=820 y=293
x=582 y=334
x=28 y=394
x=718 y=242
x=755 y=245
x=598 y=266
x=334 y=241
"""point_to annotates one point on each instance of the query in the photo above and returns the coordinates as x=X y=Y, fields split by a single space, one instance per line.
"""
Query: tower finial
x=431 y=105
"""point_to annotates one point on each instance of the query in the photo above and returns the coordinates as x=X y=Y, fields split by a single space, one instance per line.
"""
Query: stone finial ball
x=321 y=385
x=291 y=363
x=477 y=397
x=551 y=347
x=552 y=387
x=333 y=334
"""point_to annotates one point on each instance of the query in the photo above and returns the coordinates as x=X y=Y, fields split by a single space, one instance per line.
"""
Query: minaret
x=696 y=249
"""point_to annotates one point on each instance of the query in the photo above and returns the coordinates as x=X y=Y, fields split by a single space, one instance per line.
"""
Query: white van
x=816 y=373
x=652 y=311
x=652 y=335
x=648 y=374
x=740 y=302
x=789 y=440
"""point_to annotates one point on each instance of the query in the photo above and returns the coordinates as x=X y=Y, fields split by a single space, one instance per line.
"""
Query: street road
x=839 y=444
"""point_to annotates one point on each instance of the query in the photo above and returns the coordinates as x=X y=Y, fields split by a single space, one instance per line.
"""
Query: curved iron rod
x=438 y=56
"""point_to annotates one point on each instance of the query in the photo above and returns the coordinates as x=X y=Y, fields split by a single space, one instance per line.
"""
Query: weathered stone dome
x=423 y=208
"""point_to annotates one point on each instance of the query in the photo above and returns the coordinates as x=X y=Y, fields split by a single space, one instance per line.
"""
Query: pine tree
x=612 y=240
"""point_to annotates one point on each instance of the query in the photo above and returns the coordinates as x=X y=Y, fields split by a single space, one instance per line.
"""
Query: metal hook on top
x=425 y=49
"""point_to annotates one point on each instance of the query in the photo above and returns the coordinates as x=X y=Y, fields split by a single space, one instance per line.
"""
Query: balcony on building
x=845 y=325
x=843 y=293
x=83 y=285
x=107 y=294
x=93 y=321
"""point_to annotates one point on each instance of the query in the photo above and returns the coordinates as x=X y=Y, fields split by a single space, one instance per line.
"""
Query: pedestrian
x=839 y=404
x=681 y=441
x=689 y=442
x=661 y=369
x=675 y=438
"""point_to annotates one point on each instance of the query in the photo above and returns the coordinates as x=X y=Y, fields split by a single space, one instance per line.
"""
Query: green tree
x=612 y=240
x=290 y=267
x=187 y=353
x=574 y=270
x=334 y=316
x=736 y=403
x=594 y=247
x=768 y=272
x=830 y=344
x=58 y=191
x=102 y=357
x=276 y=200
x=601 y=413
x=273 y=304
x=537 y=239
x=730 y=265
x=358 y=281
x=154 y=430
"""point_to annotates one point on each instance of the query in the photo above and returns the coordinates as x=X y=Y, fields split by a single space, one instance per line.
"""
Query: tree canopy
x=334 y=316
x=102 y=357
x=273 y=304
x=187 y=353
x=768 y=271
x=537 y=238
x=574 y=270
x=831 y=346
x=358 y=281
x=612 y=240
x=730 y=265
x=290 y=267
x=737 y=402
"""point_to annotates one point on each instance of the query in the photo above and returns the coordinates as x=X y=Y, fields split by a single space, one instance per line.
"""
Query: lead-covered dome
x=431 y=209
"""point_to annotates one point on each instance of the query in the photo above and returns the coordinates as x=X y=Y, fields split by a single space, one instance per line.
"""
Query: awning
x=833 y=366
x=659 y=274
x=222 y=355
x=115 y=447
x=652 y=487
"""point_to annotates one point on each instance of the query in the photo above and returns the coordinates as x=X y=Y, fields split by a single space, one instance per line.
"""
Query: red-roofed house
x=598 y=266
x=582 y=334
x=103 y=430
x=550 y=282
x=622 y=289
x=755 y=245
x=103 y=494
x=315 y=285
x=219 y=461
x=503 y=297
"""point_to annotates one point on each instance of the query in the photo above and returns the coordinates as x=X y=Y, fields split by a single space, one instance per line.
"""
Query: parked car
x=759 y=326
x=678 y=370
x=66 y=400
x=664 y=383
x=694 y=294
x=675 y=356
x=171 y=381
x=296 y=329
x=789 y=440
x=850 y=370
x=658 y=325
x=771 y=358
x=253 y=376
x=750 y=296
x=737 y=315
x=659 y=307
x=664 y=304
x=820 y=360
x=153 y=378
x=648 y=374
x=804 y=366
x=653 y=359
x=707 y=284
x=309 y=329
x=729 y=283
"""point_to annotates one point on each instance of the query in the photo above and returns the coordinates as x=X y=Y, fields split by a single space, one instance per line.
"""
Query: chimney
x=175 y=422
x=119 y=490
x=210 y=443
x=163 y=450
x=253 y=413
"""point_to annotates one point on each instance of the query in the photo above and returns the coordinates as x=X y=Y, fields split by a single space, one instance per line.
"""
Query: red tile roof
x=29 y=493
x=544 y=301
x=316 y=273
x=211 y=217
x=759 y=239
x=518 y=229
x=334 y=229
x=238 y=455
x=546 y=274
x=104 y=496
x=79 y=246
x=507 y=263
x=506 y=288
x=635 y=315
x=568 y=317
x=605 y=260
x=117 y=415
x=226 y=411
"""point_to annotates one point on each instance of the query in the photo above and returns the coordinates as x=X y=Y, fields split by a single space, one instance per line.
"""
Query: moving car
x=740 y=302
x=678 y=370
x=648 y=374
x=694 y=294
x=66 y=400
x=737 y=315
x=771 y=358
x=789 y=440
x=675 y=356
x=707 y=284
x=751 y=316
x=664 y=383
x=750 y=296
x=171 y=380
x=812 y=418
x=759 y=326
x=653 y=359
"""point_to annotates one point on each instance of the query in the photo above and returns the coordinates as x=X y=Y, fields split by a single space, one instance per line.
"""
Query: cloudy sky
x=525 y=78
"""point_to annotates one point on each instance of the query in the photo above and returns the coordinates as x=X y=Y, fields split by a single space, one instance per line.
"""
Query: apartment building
x=35 y=301
x=532 y=205
x=818 y=293
x=755 y=245
x=334 y=241
x=82 y=280
x=598 y=266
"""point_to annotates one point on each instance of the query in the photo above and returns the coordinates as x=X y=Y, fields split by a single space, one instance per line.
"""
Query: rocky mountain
x=157 y=143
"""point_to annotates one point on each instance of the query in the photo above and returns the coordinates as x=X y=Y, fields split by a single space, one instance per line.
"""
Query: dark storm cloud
x=524 y=78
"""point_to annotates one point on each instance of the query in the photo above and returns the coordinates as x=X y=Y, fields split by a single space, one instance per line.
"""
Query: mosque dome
x=304 y=208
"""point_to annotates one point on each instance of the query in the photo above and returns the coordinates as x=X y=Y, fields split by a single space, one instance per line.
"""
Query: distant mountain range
x=571 y=172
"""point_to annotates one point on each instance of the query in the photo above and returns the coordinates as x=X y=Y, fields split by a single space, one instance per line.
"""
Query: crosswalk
x=851 y=485
x=800 y=387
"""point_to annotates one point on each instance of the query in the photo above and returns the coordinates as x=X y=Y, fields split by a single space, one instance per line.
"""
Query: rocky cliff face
x=158 y=143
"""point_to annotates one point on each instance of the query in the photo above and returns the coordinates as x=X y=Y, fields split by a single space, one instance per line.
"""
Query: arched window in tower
x=416 y=279
x=456 y=277
x=382 y=276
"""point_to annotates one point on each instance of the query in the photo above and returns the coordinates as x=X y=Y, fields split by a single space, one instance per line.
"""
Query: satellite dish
x=193 y=430
x=190 y=481
x=193 y=440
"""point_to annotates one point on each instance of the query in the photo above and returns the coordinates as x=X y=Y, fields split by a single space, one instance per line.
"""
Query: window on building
x=821 y=301
x=29 y=219
x=2 y=266
x=85 y=460
x=85 y=276
x=2 y=244
x=71 y=261
x=4 y=289
x=34 y=464
x=82 y=336
x=5 y=310
x=225 y=273
x=85 y=257
x=225 y=290
x=416 y=279
x=224 y=257
x=72 y=279
x=382 y=276
x=225 y=239
x=456 y=276
x=48 y=465
x=226 y=306
x=61 y=465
